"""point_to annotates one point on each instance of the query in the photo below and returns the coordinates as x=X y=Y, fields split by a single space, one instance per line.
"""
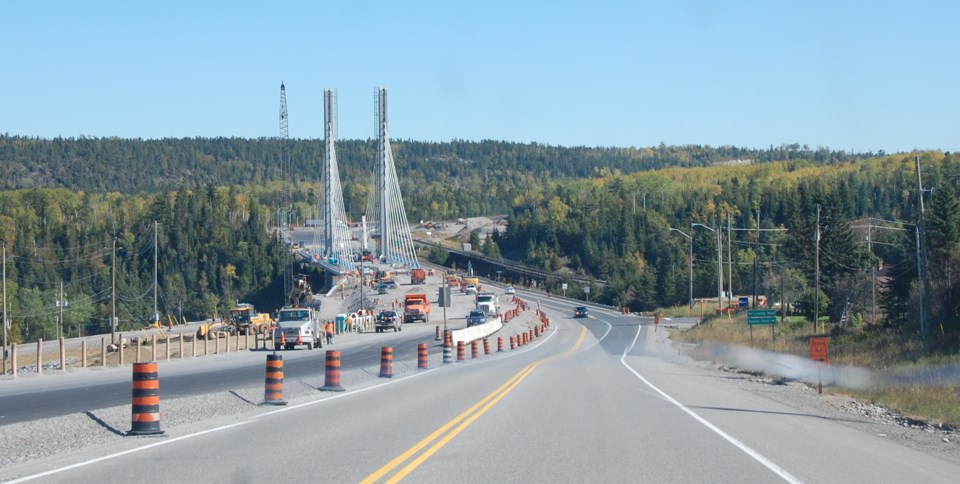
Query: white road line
x=786 y=476
x=126 y=452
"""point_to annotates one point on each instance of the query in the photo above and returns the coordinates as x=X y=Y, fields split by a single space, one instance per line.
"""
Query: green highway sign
x=761 y=313
x=761 y=319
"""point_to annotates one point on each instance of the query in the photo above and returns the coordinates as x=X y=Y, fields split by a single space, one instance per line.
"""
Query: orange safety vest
x=329 y=327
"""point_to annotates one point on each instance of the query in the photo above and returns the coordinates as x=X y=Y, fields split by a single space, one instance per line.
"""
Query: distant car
x=509 y=290
x=470 y=289
x=390 y=283
x=476 y=317
x=580 y=312
x=388 y=319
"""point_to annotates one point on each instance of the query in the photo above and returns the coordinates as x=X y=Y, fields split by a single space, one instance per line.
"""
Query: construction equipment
x=302 y=294
x=416 y=307
x=215 y=328
x=418 y=276
x=246 y=319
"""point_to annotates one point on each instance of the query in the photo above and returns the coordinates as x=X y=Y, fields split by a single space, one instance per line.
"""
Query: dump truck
x=416 y=307
x=247 y=320
x=418 y=276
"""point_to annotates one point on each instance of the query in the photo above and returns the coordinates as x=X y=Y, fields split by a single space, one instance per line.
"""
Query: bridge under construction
x=342 y=240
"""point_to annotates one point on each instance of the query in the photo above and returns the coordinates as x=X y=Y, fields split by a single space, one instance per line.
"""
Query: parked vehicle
x=476 y=317
x=416 y=307
x=388 y=319
x=297 y=327
x=388 y=283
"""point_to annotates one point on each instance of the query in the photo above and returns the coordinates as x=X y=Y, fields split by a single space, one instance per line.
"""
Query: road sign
x=820 y=349
x=761 y=316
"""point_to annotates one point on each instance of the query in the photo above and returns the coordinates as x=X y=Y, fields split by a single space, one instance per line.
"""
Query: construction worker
x=328 y=328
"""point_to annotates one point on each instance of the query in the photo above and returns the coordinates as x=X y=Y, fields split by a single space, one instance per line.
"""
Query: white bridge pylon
x=336 y=230
x=396 y=244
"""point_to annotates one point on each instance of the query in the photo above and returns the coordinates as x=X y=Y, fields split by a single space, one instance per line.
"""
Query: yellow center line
x=467 y=418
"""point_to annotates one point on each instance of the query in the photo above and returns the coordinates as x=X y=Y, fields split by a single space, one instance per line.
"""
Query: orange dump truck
x=418 y=276
x=416 y=307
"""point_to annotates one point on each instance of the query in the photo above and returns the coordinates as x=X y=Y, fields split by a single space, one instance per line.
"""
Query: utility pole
x=920 y=279
x=5 y=321
x=873 y=275
x=816 y=294
x=156 y=316
x=921 y=260
x=113 y=294
x=720 y=267
x=756 y=259
x=60 y=304
x=729 y=263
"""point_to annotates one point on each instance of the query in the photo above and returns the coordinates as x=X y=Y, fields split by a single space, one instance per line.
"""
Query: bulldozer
x=246 y=320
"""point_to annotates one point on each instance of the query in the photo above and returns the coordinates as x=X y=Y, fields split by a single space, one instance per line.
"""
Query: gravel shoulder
x=933 y=439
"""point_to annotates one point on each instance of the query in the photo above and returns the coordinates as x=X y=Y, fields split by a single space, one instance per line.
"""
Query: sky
x=848 y=75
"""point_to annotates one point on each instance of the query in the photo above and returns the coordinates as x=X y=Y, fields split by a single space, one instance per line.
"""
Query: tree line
x=618 y=228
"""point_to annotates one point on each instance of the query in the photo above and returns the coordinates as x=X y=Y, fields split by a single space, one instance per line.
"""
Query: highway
x=602 y=399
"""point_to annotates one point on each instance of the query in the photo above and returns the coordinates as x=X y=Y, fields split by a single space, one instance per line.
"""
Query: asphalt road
x=595 y=400
x=45 y=396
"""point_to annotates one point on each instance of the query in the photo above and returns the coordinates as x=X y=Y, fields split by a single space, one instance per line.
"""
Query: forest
x=603 y=213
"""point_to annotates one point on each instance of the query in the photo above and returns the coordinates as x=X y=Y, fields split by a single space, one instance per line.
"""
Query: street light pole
x=690 y=260
x=719 y=264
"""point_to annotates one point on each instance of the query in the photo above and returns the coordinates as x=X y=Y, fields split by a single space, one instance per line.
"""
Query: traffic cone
x=145 y=403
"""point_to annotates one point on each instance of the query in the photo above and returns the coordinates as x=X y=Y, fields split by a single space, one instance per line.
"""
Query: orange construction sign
x=820 y=349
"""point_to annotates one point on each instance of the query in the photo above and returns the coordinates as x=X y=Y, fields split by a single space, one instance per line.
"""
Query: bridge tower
x=335 y=224
x=396 y=244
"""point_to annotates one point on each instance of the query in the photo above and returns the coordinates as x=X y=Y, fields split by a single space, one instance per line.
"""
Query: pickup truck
x=388 y=319
x=298 y=326
x=476 y=317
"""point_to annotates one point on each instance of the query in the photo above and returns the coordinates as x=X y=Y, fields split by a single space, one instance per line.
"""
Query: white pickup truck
x=298 y=326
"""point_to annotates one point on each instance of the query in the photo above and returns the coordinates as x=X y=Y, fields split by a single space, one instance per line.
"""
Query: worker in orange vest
x=328 y=328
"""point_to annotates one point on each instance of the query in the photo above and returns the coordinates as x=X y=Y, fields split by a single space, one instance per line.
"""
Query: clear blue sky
x=872 y=75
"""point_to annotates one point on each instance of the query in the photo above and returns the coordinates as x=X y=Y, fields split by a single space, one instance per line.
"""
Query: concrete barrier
x=477 y=332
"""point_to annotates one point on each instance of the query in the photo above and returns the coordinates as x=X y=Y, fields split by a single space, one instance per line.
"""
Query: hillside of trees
x=617 y=228
x=439 y=180
x=602 y=213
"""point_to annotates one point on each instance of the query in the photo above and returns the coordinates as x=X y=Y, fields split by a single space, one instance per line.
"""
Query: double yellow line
x=444 y=434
